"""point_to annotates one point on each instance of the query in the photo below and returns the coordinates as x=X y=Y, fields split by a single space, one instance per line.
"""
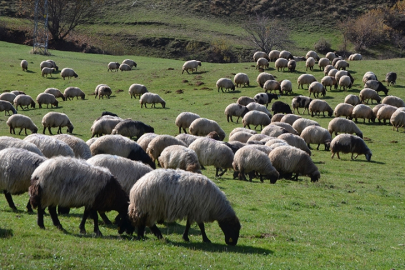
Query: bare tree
x=265 y=33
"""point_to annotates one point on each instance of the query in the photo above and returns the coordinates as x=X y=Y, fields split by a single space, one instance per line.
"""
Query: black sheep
x=280 y=107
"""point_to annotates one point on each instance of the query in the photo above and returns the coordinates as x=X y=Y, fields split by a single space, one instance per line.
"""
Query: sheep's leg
x=25 y=130
x=19 y=133
x=50 y=132
x=338 y=155
x=94 y=215
x=83 y=222
x=179 y=130
x=223 y=172
x=155 y=230
x=40 y=217
x=54 y=216
x=63 y=210
x=185 y=131
x=318 y=146
x=9 y=200
x=333 y=154
x=60 y=130
x=141 y=232
x=204 y=235
x=185 y=234
x=29 y=207
x=105 y=218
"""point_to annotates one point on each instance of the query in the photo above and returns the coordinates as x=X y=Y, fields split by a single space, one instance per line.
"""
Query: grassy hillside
x=352 y=218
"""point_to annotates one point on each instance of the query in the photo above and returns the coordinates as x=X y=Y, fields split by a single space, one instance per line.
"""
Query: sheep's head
x=34 y=130
x=231 y=227
x=327 y=145
x=55 y=103
x=83 y=96
x=368 y=155
x=70 y=128
x=163 y=104
x=315 y=176
x=32 y=104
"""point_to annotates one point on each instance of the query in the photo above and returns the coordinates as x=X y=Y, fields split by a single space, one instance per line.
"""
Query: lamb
x=302 y=123
x=363 y=111
x=397 y=119
x=9 y=142
x=317 y=135
x=256 y=118
x=391 y=78
x=16 y=167
x=310 y=63
x=104 y=126
x=347 y=143
x=341 y=64
x=316 y=88
x=290 y=118
x=192 y=64
x=184 y=120
x=249 y=159
x=181 y=195
x=23 y=100
x=329 y=81
x=291 y=65
x=203 y=126
x=345 y=126
x=56 y=92
x=131 y=128
x=93 y=187
x=344 y=82
x=68 y=72
x=24 y=65
x=352 y=99
x=262 y=63
x=213 y=153
x=317 y=106
x=125 y=67
x=244 y=100
x=343 y=109
x=47 y=71
x=285 y=87
x=45 y=98
x=50 y=146
x=113 y=66
x=130 y=63
x=305 y=79
x=327 y=69
x=79 y=147
x=273 y=130
x=277 y=117
x=55 y=119
x=376 y=85
x=7 y=107
x=355 y=57
x=394 y=101
x=286 y=55
x=385 y=113
x=159 y=143
x=281 y=63
x=179 y=157
x=102 y=90
x=8 y=97
x=146 y=138
x=151 y=98
x=280 y=107
x=120 y=146
x=290 y=160
x=265 y=98
x=369 y=75
x=238 y=129
x=260 y=54
x=225 y=83
x=367 y=94
x=240 y=136
x=234 y=109
x=22 y=122
x=263 y=77
x=274 y=55
x=331 y=56
x=72 y=92
x=301 y=102
x=241 y=79
x=322 y=63
x=258 y=107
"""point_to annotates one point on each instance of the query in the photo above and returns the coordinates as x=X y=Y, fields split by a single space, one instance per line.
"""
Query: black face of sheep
x=231 y=227
x=163 y=104
x=315 y=176
x=32 y=104
x=368 y=156
x=330 y=113
x=55 y=104
x=327 y=146
x=382 y=88
x=69 y=129
x=323 y=92
x=83 y=96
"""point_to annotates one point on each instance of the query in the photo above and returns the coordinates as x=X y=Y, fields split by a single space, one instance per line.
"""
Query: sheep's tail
x=35 y=192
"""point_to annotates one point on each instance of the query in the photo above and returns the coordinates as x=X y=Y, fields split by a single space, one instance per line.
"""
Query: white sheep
x=7 y=107
x=323 y=62
x=327 y=69
x=286 y=126
x=305 y=79
x=329 y=81
x=8 y=97
x=179 y=157
x=263 y=77
x=125 y=67
x=341 y=64
x=244 y=100
x=281 y=63
x=102 y=90
x=256 y=118
x=316 y=88
x=259 y=54
x=225 y=83
x=79 y=147
x=385 y=113
x=377 y=107
x=344 y=82
x=184 y=120
x=191 y=64
x=22 y=122
x=129 y=62
x=178 y=194
x=310 y=63
x=271 y=85
x=286 y=55
x=347 y=143
x=53 y=64
x=44 y=64
x=104 y=125
x=68 y=72
x=274 y=55
x=333 y=72
x=8 y=142
x=253 y=106
x=345 y=126
x=45 y=98
x=331 y=56
x=131 y=128
x=397 y=119
x=316 y=135
x=71 y=92
x=137 y=89
x=113 y=66
x=257 y=137
x=352 y=99
x=240 y=136
x=312 y=54
x=273 y=130
x=302 y=123
x=56 y=119
x=151 y=98
x=291 y=65
x=355 y=57
x=277 y=117
x=343 y=109
x=286 y=86
x=24 y=100
x=238 y=129
x=146 y=138
x=56 y=92
x=24 y=65
x=296 y=141
x=367 y=93
x=159 y=143
x=300 y=102
x=363 y=111
x=234 y=109
x=318 y=106
x=241 y=79
x=369 y=75
x=47 y=71
x=50 y=146
x=262 y=63
x=290 y=118
x=203 y=126
x=393 y=101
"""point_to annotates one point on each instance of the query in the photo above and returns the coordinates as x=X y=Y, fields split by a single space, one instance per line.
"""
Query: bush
x=322 y=45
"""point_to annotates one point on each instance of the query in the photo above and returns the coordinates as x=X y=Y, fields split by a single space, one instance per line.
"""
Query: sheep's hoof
x=185 y=238
x=82 y=231
x=98 y=234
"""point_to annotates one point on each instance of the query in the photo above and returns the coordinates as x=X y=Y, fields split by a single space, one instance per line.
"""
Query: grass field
x=353 y=218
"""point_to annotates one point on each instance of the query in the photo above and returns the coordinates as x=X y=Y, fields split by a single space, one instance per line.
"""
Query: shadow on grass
x=6 y=233
x=231 y=92
x=30 y=71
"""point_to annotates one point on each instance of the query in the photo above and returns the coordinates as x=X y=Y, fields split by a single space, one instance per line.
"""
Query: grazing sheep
x=241 y=79
x=72 y=92
x=305 y=79
x=213 y=153
x=397 y=119
x=273 y=130
x=363 y=111
x=327 y=69
x=8 y=142
x=291 y=65
x=244 y=100
x=277 y=117
x=377 y=108
x=331 y=56
x=137 y=89
x=280 y=107
x=377 y=86
x=302 y=123
x=285 y=87
x=291 y=160
x=341 y=64
x=286 y=55
x=344 y=109
x=258 y=107
x=55 y=119
x=281 y=63
x=347 y=143
x=24 y=65
x=45 y=98
x=286 y=126
x=181 y=195
x=385 y=113
x=8 y=97
x=256 y=118
x=339 y=74
x=113 y=66
x=47 y=71
x=300 y=102
x=125 y=67
x=79 y=147
x=53 y=64
x=104 y=125
x=238 y=129
x=179 y=157
x=322 y=63
x=250 y=159
x=151 y=98
x=184 y=120
x=90 y=141
x=240 y=136
x=263 y=77
x=131 y=128
x=22 y=122
x=102 y=90
x=257 y=137
x=274 y=55
x=45 y=64
x=7 y=107
x=391 y=78
x=93 y=187
x=345 y=126
x=16 y=167
x=333 y=72
x=310 y=63
x=271 y=85
x=318 y=106
x=23 y=100
x=352 y=99
x=289 y=118
x=313 y=55
x=262 y=63
x=369 y=75
x=120 y=146
x=344 y=82
x=366 y=94
x=68 y=72
x=296 y=141
x=393 y=101
x=50 y=146
x=159 y=143
x=192 y=64
x=316 y=88
x=258 y=55
x=203 y=126
x=329 y=81
x=355 y=57
x=225 y=83
x=146 y=138
x=56 y=92
x=234 y=109
x=265 y=98
x=130 y=63
x=317 y=135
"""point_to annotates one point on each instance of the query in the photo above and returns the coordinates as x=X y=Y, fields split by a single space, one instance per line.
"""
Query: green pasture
x=353 y=218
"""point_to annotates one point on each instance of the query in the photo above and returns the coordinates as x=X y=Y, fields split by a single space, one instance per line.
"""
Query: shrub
x=322 y=45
